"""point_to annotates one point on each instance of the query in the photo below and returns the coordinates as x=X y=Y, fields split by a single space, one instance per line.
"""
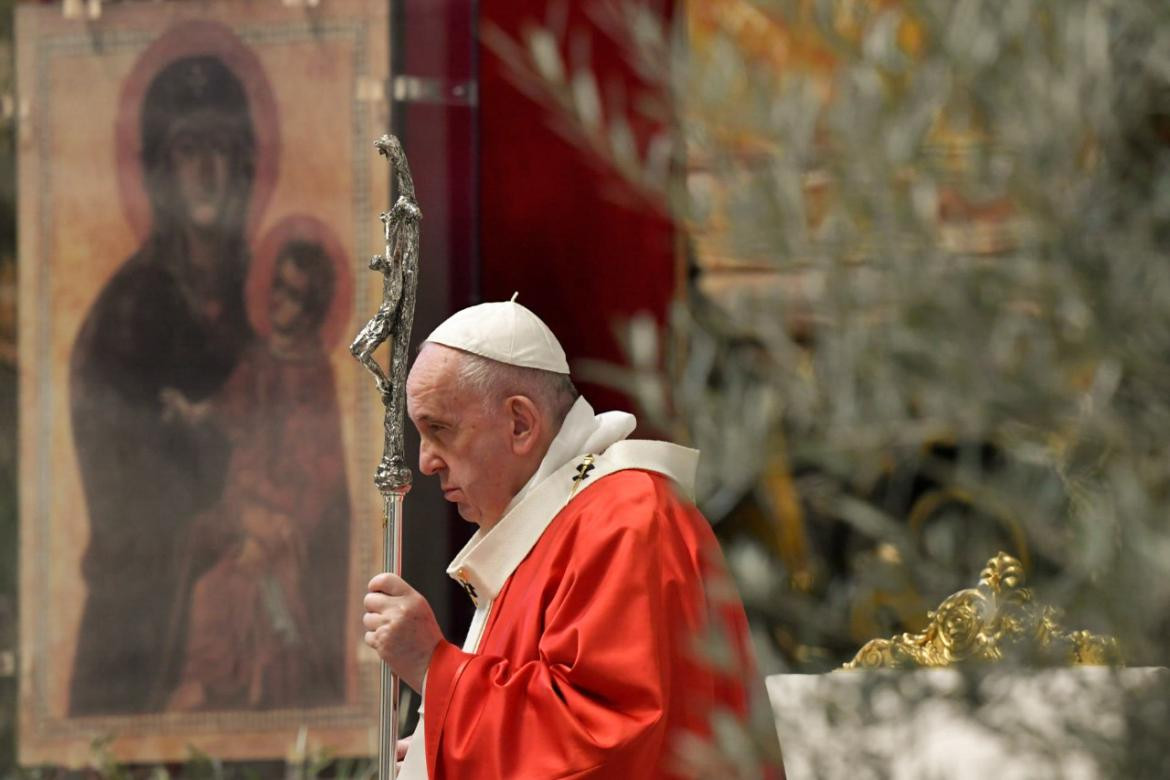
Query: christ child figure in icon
x=261 y=631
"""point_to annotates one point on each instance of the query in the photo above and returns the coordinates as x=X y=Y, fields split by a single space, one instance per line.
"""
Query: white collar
x=581 y=432
x=488 y=559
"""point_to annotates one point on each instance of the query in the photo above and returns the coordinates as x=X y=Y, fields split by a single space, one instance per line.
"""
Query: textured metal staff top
x=398 y=265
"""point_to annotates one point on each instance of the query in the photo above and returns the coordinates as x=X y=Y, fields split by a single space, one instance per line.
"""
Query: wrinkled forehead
x=433 y=385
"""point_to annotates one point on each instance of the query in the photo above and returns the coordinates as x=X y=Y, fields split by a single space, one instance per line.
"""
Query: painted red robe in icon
x=589 y=664
x=266 y=624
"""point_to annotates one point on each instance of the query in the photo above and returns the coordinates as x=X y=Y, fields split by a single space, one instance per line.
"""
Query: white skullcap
x=503 y=331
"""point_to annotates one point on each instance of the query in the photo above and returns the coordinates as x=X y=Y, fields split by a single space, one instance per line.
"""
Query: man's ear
x=526 y=423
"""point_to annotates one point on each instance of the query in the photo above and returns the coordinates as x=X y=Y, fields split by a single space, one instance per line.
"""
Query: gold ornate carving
x=996 y=619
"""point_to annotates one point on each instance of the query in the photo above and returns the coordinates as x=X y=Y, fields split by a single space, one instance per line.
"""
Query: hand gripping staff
x=399 y=268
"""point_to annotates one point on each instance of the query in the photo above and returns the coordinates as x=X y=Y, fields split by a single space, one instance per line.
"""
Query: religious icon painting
x=198 y=187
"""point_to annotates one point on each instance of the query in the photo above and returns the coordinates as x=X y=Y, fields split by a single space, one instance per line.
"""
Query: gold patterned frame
x=996 y=619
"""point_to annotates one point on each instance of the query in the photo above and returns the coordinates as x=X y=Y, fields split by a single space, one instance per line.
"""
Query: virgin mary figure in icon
x=171 y=316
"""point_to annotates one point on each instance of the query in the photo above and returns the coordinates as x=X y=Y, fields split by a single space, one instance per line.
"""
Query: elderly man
x=596 y=585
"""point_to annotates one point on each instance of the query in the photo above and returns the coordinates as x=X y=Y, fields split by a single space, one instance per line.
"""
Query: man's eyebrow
x=431 y=419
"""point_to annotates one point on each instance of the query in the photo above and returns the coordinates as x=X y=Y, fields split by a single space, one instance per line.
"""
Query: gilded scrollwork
x=997 y=618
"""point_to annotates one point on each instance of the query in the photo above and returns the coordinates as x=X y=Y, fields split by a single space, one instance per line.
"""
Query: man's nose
x=428 y=462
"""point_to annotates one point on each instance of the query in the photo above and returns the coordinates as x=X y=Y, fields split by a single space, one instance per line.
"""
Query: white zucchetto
x=503 y=331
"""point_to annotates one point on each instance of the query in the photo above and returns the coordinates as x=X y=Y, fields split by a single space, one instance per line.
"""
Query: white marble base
x=1033 y=724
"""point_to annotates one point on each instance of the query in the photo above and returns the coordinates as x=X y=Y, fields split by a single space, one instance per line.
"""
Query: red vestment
x=589 y=665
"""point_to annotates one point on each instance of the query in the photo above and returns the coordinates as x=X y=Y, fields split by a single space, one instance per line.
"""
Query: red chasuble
x=589 y=665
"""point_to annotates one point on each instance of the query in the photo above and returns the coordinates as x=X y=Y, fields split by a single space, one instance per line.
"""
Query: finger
x=390 y=584
x=376 y=602
x=373 y=621
x=370 y=639
x=401 y=748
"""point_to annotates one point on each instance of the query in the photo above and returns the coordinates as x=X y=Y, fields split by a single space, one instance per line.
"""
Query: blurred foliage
x=927 y=314
x=925 y=319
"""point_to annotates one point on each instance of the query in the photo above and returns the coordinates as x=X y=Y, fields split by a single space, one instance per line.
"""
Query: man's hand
x=401 y=627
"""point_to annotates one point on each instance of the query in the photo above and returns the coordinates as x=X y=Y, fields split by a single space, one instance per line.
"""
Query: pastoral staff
x=600 y=590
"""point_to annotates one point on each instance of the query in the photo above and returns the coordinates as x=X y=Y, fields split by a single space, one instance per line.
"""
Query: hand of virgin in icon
x=401 y=627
